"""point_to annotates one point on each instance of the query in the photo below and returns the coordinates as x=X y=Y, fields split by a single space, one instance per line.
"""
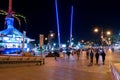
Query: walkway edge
x=115 y=72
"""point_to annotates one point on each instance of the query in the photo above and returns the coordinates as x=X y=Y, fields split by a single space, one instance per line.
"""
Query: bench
x=21 y=59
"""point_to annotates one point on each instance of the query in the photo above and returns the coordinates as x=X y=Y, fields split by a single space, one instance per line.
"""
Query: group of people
x=90 y=54
x=97 y=53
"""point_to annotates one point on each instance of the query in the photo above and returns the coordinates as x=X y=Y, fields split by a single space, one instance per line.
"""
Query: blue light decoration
x=11 y=40
x=58 y=27
x=71 y=24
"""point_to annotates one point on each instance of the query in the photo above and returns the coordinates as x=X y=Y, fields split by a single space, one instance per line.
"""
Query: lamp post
x=109 y=39
x=102 y=35
x=50 y=37
x=96 y=30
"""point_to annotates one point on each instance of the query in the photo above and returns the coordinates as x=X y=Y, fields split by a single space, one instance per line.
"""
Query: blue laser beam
x=58 y=27
x=71 y=24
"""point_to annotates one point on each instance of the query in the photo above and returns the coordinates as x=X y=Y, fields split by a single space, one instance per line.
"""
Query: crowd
x=90 y=53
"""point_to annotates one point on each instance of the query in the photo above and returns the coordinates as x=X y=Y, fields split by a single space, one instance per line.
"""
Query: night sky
x=41 y=17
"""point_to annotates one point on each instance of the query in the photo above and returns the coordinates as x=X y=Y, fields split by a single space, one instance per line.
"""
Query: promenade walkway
x=62 y=69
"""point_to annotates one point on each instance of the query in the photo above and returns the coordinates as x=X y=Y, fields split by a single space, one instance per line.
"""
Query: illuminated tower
x=9 y=20
x=11 y=39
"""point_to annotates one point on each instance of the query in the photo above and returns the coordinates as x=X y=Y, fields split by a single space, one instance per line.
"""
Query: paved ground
x=62 y=69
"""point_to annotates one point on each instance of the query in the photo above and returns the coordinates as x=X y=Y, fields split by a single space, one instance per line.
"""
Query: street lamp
x=109 y=39
x=50 y=37
x=46 y=38
x=96 y=30
x=102 y=34
x=108 y=33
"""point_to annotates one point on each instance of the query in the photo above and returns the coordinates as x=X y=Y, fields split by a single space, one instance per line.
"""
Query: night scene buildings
x=12 y=40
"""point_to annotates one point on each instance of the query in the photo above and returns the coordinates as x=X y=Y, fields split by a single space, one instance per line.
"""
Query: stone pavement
x=61 y=69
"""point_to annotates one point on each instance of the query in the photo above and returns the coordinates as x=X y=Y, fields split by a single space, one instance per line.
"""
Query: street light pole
x=101 y=34
x=103 y=38
x=50 y=37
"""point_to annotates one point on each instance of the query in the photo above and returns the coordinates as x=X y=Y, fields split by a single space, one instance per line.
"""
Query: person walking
x=97 y=56
x=112 y=49
x=78 y=53
x=87 y=54
x=68 y=53
x=55 y=54
x=91 y=56
x=103 y=54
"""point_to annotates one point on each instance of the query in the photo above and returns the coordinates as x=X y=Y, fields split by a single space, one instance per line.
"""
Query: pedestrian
x=112 y=49
x=91 y=56
x=97 y=56
x=103 y=54
x=87 y=53
x=55 y=54
x=78 y=53
x=68 y=53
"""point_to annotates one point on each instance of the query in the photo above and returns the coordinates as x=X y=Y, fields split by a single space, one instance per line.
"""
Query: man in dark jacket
x=91 y=56
x=103 y=54
x=97 y=56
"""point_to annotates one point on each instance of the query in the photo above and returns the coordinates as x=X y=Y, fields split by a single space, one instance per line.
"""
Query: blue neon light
x=71 y=24
x=58 y=28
